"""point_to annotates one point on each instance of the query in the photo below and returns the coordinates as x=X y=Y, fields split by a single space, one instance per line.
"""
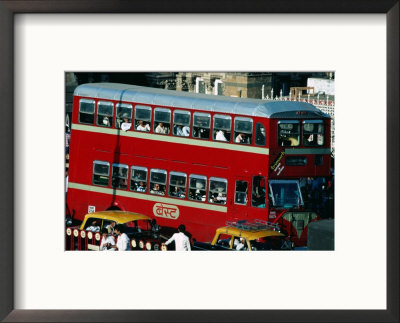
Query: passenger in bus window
x=141 y=187
x=157 y=189
x=106 y=121
x=182 y=131
x=241 y=138
x=161 y=129
x=143 y=126
x=220 y=136
x=126 y=125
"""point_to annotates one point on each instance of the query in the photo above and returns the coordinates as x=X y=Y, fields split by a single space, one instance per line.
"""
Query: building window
x=197 y=188
x=142 y=118
x=119 y=176
x=222 y=128
x=158 y=181
x=105 y=113
x=217 y=190
x=260 y=137
x=177 y=185
x=201 y=125
x=218 y=87
x=200 y=85
x=139 y=179
x=288 y=133
x=162 y=121
x=181 y=123
x=243 y=130
x=241 y=192
x=86 y=111
x=123 y=115
x=101 y=171
x=313 y=133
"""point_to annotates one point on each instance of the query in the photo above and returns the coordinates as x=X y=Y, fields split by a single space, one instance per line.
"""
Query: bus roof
x=194 y=101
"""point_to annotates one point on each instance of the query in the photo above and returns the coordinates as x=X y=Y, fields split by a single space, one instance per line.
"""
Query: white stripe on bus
x=179 y=140
x=147 y=197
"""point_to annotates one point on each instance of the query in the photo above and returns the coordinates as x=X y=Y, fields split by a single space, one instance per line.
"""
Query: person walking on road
x=182 y=242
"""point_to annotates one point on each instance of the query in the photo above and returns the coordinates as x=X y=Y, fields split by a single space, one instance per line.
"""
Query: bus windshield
x=285 y=193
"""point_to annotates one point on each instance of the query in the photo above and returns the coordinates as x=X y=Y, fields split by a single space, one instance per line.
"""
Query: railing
x=81 y=240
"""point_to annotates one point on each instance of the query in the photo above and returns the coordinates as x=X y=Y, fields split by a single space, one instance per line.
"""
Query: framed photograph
x=42 y=40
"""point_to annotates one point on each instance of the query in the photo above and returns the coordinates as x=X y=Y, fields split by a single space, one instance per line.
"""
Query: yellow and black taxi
x=246 y=235
x=143 y=232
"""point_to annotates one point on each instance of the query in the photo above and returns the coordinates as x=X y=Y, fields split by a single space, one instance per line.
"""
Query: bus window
x=142 y=118
x=217 y=191
x=243 y=130
x=260 y=137
x=222 y=128
x=241 y=192
x=86 y=111
x=177 y=185
x=119 y=176
x=313 y=133
x=124 y=111
x=181 y=123
x=162 y=121
x=101 y=172
x=138 y=179
x=158 y=181
x=197 y=188
x=285 y=193
x=105 y=112
x=288 y=133
x=259 y=192
x=201 y=125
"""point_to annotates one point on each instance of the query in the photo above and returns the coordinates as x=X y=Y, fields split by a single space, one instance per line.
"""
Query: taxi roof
x=249 y=234
x=117 y=216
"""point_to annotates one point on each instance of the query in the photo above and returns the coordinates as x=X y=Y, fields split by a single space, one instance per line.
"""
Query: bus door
x=258 y=198
x=241 y=201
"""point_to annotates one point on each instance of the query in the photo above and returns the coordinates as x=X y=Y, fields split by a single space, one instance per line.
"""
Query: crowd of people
x=114 y=237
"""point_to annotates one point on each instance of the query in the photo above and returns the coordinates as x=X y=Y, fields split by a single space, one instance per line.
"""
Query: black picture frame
x=7 y=11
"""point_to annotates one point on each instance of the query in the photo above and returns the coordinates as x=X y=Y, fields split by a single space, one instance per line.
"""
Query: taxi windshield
x=285 y=193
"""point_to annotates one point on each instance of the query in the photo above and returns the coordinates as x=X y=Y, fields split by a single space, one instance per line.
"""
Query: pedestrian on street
x=123 y=239
x=182 y=242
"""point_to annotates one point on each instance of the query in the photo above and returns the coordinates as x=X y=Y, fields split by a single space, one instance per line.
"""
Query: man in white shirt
x=126 y=125
x=220 y=136
x=142 y=126
x=123 y=240
x=186 y=131
x=241 y=138
x=182 y=242
x=161 y=129
x=93 y=227
x=106 y=241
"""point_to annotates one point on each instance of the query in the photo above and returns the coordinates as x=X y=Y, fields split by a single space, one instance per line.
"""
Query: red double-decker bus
x=195 y=159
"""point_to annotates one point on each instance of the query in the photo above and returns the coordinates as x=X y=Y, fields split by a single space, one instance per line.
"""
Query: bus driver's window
x=105 y=113
x=86 y=111
x=124 y=111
